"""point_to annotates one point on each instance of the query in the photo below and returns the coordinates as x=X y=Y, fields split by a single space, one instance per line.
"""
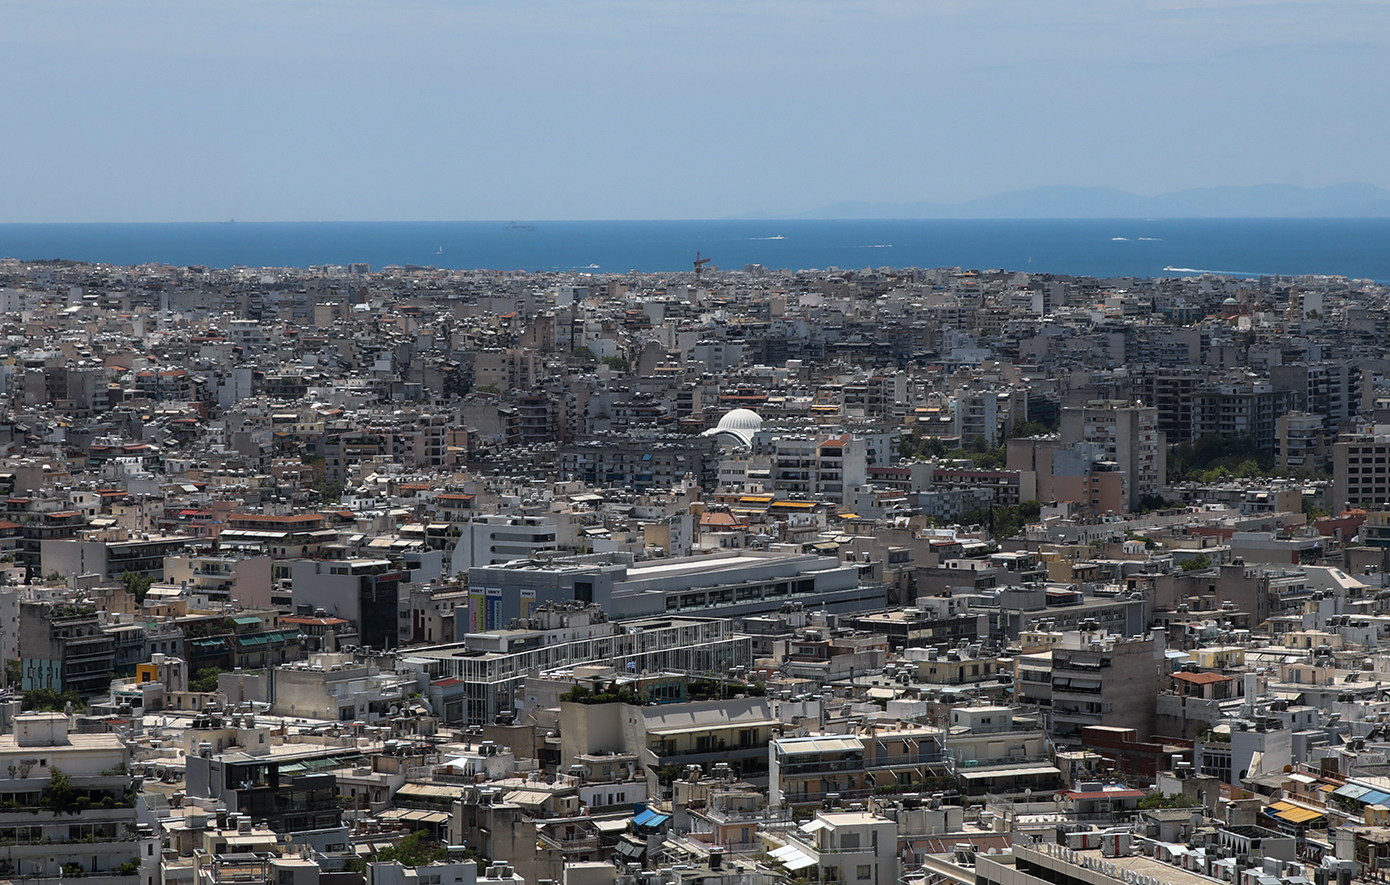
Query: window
x=863 y=871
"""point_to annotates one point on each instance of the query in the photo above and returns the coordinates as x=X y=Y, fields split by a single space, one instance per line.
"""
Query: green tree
x=1214 y=457
x=61 y=797
x=139 y=585
x=330 y=492
x=582 y=354
x=415 y=850
x=1196 y=563
x=616 y=363
x=1312 y=511
x=1029 y=428
x=1004 y=522
x=48 y=700
x=1159 y=799
x=205 y=680
x=1152 y=501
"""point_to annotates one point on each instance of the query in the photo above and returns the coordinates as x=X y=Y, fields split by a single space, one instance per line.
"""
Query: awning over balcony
x=792 y=858
x=650 y=818
x=415 y=816
x=1294 y=814
x=528 y=798
x=993 y=773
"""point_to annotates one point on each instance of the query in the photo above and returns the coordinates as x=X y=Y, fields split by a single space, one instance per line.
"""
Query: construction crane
x=699 y=266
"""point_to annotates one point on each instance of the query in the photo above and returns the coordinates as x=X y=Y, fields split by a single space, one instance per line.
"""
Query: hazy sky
x=174 y=110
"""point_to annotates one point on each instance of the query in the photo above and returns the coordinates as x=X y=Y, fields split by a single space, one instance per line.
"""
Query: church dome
x=738 y=426
x=741 y=419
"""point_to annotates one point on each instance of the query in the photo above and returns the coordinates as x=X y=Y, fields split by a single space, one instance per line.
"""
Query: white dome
x=741 y=419
x=738 y=426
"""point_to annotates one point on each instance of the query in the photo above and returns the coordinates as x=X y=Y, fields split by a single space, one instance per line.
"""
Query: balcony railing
x=789 y=768
x=818 y=795
x=909 y=759
x=583 y=842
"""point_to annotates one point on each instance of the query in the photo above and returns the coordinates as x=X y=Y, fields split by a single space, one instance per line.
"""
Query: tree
x=137 y=584
x=1029 y=428
x=60 y=796
x=330 y=492
x=48 y=700
x=1159 y=799
x=205 y=680
x=1152 y=501
x=415 y=850
x=582 y=354
x=616 y=363
x=1196 y=563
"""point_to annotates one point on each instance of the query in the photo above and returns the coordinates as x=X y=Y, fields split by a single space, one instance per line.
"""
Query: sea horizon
x=1096 y=247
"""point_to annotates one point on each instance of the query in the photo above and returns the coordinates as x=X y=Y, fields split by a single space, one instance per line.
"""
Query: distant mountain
x=1351 y=200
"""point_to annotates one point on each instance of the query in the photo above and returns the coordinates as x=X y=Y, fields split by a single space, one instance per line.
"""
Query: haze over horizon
x=150 y=110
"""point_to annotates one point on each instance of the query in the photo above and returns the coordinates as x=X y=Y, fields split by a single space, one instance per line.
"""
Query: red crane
x=699 y=266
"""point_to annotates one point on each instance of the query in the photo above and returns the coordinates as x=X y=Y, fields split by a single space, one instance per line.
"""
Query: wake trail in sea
x=1219 y=273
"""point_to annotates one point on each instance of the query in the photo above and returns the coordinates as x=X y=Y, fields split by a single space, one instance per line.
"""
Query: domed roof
x=737 y=426
x=741 y=419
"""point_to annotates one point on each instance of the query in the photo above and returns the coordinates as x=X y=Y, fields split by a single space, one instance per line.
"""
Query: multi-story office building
x=111 y=556
x=482 y=676
x=63 y=647
x=639 y=461
x=364 y=591
x=1360 y=472
x=1125 y=434
x=1299 y=441
x=1243 y=409
x=722 y=584
x=489 y=539
x=1096 y=679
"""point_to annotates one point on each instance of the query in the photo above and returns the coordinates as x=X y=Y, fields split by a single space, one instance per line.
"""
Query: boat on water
x=515 y=226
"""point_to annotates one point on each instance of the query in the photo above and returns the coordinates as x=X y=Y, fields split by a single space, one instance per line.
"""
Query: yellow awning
x=1294 y=814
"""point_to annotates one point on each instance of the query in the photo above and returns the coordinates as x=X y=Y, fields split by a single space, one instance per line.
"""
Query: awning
x=611 y=826
x=1375 y=797
x=651 y=818
x=1351 y=791
x=792 y=858
x=988 y=773
x=1294 y=814
x=411 y=791
x=529 y=798
x=415 y=816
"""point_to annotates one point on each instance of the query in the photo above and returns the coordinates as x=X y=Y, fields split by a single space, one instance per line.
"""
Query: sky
x=309 y=110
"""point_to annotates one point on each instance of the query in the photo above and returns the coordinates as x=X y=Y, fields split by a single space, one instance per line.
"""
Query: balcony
x=1000 y=761
x=827 y=767
x=932 y=758
x=576 y=842
x=819 y=795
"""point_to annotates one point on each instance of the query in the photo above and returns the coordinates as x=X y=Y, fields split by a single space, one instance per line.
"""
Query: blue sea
x=1358 y=248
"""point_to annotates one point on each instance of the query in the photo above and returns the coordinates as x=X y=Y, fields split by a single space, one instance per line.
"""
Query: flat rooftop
x=1137 y=863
